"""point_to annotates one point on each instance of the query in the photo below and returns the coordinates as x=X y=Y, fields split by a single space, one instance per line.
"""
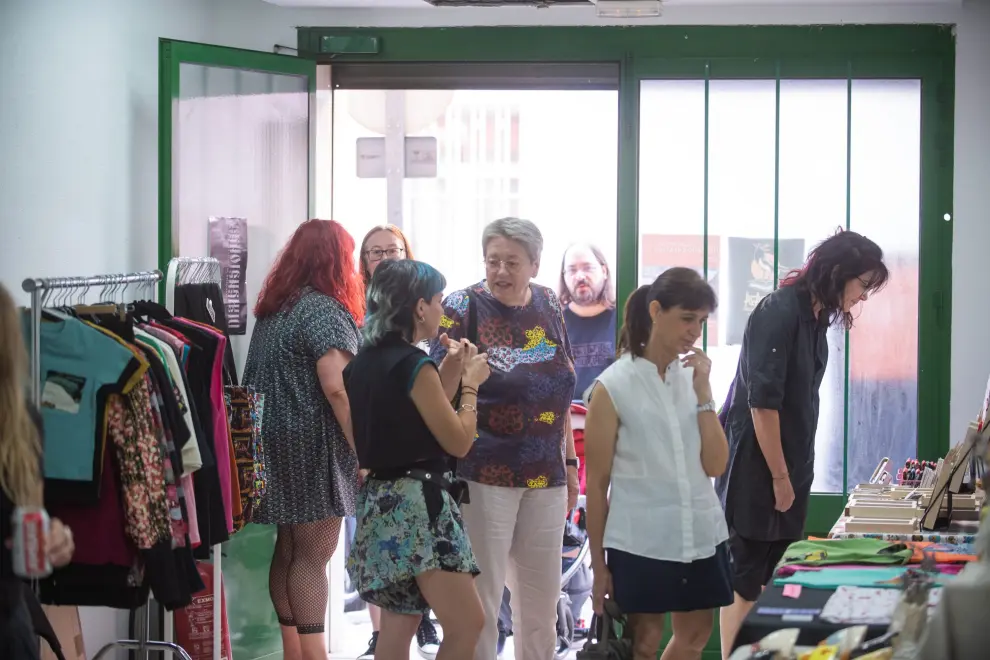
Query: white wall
x=971 y=233
x=78 y=149
x=79 y=131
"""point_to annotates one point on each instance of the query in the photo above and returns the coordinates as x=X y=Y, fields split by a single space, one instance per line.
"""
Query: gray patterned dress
x=312 y=472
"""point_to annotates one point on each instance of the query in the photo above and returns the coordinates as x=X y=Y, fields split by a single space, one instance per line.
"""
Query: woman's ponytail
x=636 y=322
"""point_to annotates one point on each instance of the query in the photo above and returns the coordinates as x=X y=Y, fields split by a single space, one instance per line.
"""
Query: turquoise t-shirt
x=883 y=577
x=77 y=362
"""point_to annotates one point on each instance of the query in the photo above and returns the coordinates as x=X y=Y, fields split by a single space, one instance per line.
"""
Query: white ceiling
x=421 y=4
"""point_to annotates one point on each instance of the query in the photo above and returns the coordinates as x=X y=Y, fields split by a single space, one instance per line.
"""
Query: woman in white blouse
x=653 y=441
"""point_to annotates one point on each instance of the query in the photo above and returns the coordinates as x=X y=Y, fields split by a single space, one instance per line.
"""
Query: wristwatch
x=711 y=406
x=572 y=462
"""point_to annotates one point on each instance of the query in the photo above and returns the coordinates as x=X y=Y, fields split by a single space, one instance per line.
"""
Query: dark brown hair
x=834 y=262
x=675 y=287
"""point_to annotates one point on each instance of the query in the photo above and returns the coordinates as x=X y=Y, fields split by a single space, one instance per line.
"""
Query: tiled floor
x=359 y=632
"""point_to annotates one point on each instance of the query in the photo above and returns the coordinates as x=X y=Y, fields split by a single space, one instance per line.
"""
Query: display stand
x=197 y=270
x=41 y=290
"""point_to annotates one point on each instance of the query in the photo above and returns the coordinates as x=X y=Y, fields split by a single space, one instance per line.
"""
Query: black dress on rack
x=204 y=303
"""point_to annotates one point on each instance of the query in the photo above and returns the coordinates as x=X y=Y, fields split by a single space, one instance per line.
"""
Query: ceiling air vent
x=506 y=3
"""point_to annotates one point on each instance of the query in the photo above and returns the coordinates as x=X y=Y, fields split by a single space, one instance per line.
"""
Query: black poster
x=228 y=244
x=751 y=269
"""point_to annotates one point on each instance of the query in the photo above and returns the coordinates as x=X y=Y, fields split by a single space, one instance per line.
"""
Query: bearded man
x=587 y=292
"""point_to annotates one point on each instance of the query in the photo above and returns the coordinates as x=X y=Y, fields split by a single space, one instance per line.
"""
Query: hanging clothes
x=139 y=452
x=203 y=302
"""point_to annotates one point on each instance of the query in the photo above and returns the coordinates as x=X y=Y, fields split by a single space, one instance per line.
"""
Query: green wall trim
x=590 y=43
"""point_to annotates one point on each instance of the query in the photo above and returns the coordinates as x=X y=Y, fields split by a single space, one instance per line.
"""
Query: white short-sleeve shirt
x=662 y=505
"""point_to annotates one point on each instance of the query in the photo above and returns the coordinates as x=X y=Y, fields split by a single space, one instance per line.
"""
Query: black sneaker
x=426 y=639
x=372 y=643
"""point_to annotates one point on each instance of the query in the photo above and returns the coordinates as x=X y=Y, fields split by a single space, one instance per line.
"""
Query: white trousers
x=516 y=535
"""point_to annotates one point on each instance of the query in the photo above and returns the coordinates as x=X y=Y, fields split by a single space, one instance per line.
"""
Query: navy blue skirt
x=641 y=585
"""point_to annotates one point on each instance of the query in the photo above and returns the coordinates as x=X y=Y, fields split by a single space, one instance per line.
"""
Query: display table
x=957 y=533
x=775 y=611
x=757 y=625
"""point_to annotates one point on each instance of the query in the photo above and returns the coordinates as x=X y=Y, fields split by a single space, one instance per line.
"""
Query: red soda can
x=29 y=552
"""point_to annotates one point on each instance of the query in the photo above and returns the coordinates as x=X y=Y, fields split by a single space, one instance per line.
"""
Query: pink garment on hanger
x=221 y=435
x=190 y=493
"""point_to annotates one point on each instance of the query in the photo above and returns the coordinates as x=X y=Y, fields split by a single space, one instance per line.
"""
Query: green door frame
x=926 y=53
x=172 y=55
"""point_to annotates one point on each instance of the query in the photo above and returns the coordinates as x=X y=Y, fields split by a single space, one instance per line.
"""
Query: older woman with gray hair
x=522 y=469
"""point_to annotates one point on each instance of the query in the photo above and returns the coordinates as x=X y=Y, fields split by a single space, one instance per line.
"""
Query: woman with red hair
x=306 y=332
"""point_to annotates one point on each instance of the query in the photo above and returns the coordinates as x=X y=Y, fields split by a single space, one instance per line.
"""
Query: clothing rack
x=197 y=270
x=41 y=290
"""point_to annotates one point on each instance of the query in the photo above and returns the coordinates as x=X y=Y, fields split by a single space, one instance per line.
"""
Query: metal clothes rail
x=41 y=289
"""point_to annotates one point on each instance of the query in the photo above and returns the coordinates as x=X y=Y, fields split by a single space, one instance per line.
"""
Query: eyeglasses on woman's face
x=377 y=254
x=493 y=265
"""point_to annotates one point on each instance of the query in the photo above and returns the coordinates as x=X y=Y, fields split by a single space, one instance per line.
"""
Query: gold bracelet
x=467 y=407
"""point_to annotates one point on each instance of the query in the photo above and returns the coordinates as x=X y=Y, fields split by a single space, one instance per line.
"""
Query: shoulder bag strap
x=472 y=320
x=471 y=334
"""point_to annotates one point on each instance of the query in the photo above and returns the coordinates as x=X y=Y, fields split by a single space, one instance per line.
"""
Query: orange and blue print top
x=522 y=408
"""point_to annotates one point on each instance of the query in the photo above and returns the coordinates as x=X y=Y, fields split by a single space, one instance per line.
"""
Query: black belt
x=456 y=488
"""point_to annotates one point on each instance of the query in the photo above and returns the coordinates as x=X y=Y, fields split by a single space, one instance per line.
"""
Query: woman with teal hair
x=411 y=552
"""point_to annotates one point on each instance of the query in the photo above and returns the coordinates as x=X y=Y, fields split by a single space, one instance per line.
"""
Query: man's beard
x=585 y=296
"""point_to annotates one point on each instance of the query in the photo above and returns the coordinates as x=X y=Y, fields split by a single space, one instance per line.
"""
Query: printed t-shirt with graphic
x=522 y=407
x=77 y=364
x=593 y=342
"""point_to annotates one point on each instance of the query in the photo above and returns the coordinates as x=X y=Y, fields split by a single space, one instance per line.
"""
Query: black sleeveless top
x=389 y=432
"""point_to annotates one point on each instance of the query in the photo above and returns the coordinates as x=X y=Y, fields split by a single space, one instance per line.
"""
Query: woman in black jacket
x=21 y=484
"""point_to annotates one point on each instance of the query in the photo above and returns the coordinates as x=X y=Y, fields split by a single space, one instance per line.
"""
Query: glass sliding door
x=239 y=147
x=742 y=171
x=442 y=151
x=235 y=143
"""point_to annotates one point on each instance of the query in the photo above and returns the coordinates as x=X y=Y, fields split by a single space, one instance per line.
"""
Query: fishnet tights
x=297 y=580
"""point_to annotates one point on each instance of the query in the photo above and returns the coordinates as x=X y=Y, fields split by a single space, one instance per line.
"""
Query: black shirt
x=389 y=432
x=781 y=366
x=593 y=345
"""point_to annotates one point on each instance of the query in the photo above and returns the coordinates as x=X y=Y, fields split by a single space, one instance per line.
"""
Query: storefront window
x=773 y=193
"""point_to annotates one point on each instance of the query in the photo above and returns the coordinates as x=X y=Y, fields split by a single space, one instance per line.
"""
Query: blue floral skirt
x=402 y=532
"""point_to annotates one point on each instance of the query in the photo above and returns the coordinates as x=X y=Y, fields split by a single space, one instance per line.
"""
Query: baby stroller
x=575 y=581
x=575 y=560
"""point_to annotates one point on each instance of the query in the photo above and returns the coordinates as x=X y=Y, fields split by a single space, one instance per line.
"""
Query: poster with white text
x=228 y=244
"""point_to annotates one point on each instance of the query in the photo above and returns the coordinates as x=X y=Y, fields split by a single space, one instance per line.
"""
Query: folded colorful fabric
x=824 y=552
x=828 y=577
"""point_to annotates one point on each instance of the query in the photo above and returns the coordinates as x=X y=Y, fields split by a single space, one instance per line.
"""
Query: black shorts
x=753 y=563
x=641 y=585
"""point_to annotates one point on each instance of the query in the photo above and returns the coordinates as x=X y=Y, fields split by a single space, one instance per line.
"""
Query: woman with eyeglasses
x=381 y=243
x=387 y=243
x=522 y=469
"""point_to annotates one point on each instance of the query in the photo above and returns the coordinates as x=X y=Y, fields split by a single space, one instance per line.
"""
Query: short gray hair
x=524 y=232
